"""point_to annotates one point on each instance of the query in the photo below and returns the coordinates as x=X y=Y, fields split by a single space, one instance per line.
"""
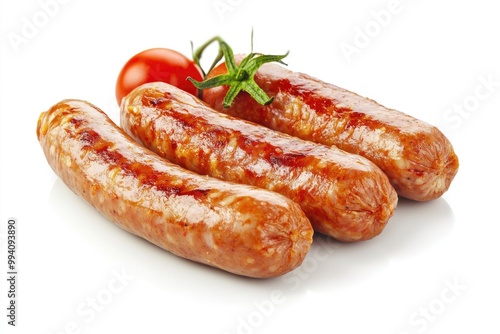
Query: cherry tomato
x=158 y=64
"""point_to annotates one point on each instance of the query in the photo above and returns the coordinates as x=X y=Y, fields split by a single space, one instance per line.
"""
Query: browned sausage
x=344 y=195
x=418 y=159
x=241 y=229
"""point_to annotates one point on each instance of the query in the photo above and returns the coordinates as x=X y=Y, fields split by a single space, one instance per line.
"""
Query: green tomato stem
x=238 y=77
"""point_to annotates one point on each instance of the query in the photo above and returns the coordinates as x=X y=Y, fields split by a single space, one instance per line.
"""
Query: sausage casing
x=241 y=229
x=418 y=159
x=344 y=195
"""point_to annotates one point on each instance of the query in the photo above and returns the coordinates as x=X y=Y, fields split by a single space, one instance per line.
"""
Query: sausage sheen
x=238 y=228
x=344 y=195
x=418 y=159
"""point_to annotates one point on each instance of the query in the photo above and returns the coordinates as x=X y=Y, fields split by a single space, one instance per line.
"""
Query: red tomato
x=158 y=64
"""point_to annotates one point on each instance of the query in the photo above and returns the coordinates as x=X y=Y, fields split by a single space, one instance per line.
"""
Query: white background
x=433 y=269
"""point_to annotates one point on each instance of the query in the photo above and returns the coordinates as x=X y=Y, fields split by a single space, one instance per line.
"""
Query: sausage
x=418 y=159
x=344 y=195
x=238 y=228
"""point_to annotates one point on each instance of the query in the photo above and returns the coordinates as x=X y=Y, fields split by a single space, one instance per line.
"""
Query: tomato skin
x=157 y=64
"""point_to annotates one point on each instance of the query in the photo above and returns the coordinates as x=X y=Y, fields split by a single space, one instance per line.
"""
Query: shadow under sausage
x=113 y=245
x=415 y=228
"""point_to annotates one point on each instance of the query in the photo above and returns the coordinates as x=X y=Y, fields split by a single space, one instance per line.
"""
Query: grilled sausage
x=344 y=195
x=241 y=229
x=418 y=159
